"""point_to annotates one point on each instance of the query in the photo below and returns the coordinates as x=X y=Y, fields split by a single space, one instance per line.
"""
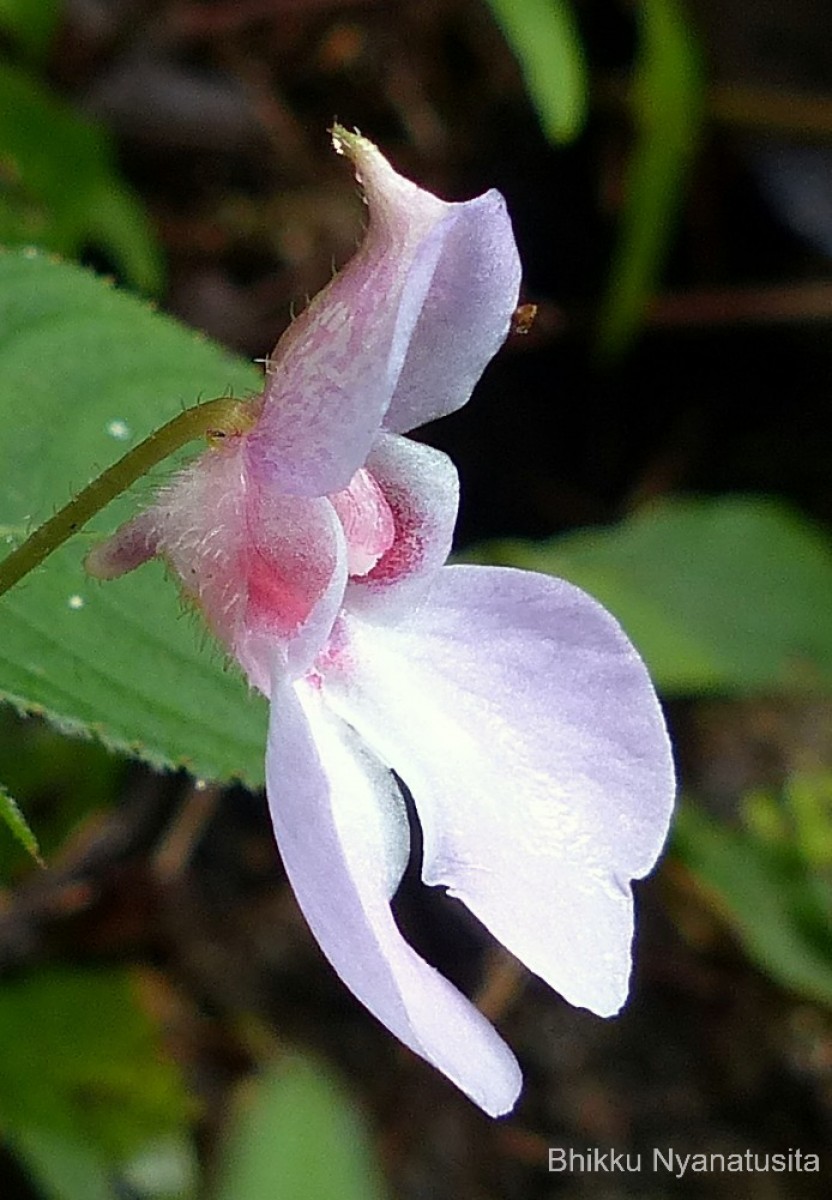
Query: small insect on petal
x=523 y=318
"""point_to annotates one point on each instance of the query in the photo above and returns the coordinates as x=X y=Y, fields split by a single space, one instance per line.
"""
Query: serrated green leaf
x=667 y=109
x=298 y=1137
x=80 y=365
x=59 y=187
x=730 y=595
x=544 y=37
x=17 y=824
x=32 y=23
x=80 y=1060
x=766 y=896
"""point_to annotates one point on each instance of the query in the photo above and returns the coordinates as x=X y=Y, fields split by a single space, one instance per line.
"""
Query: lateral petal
x=421 y=488
x=341 y=827
x=526 y=728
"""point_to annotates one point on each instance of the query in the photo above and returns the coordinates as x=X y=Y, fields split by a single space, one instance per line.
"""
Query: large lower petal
x=526 y=727
x=342 y=831
x=421 y=488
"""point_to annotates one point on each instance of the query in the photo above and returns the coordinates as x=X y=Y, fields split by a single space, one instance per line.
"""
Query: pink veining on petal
x=421 y=489
x=407 y=550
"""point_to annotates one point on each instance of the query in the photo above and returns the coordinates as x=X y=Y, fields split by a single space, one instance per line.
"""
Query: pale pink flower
x=510 y=704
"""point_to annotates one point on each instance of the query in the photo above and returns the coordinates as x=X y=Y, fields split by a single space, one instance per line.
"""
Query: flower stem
x=216 y=419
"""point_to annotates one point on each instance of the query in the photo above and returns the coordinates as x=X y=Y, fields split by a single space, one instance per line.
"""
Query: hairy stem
x=215 y=419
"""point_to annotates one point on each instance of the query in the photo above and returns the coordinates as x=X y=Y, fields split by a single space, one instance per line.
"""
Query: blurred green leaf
x=808 y=799
x=59 y=781
x=117 y=221
x=80 y=1060
x=764 y=816
x=166 y=1169
x=765 y=893
x=667 y=109
x=17 y=824
x=63 y=1168
x=544 y=37
x=117 y=660
x=59 y=186
x=730 y=595
x=298 y=1137
x=32 y=24
x=67 y=1169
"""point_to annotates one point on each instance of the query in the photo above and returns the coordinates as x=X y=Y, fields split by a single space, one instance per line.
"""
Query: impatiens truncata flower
x=510 y=703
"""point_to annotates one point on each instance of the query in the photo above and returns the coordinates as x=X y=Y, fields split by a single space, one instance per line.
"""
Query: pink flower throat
x=367 y=521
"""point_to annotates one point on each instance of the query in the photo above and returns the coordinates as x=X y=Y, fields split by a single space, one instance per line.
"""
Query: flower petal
x=331 y=376
x=365 y=516
x=465 y=315
x=342 y=831
x=263 y=568
x=294 y=572
x=525 y=725
x=421 y=488
x=413 y=318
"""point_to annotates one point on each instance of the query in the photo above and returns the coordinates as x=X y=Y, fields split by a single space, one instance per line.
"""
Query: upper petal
x=427 y=266
x=525 y=725
x=341 y=827
x=331 y=376
x=465 y=315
